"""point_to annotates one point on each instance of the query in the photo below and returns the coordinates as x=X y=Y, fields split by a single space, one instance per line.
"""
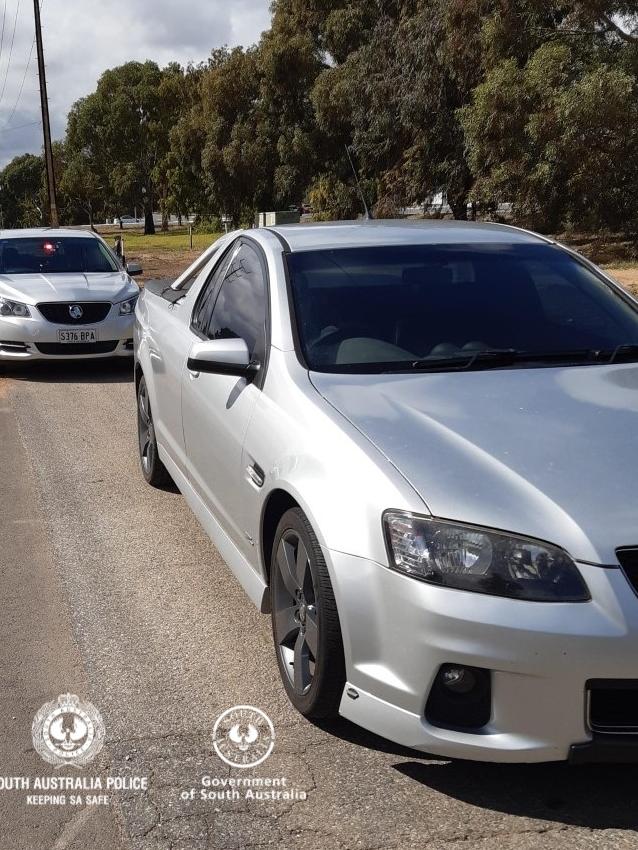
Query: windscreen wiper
x=492 y=358
x=496 y=358
x=624 y=354
x=487 y=359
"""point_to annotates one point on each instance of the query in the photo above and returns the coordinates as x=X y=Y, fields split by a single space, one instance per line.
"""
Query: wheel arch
x=278 y=502
x=142 y=369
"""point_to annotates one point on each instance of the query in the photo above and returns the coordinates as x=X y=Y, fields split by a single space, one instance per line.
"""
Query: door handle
x=256 y=474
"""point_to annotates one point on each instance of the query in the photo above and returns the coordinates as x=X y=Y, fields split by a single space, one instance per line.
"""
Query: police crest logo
x=243 y=736
x=68 y=731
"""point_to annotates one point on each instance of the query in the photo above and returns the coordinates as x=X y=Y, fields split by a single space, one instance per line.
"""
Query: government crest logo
x=243 y=736
x=68 y=731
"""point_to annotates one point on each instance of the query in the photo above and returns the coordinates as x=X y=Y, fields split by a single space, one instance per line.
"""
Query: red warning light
x=49 y=248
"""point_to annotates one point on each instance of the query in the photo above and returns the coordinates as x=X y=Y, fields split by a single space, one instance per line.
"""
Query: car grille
x=92 y=312
x=64 y=348
x=628 y=558
x=613 y=706
x=14 y=347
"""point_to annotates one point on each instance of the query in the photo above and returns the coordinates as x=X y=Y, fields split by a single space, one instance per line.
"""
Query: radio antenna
x=367 y=214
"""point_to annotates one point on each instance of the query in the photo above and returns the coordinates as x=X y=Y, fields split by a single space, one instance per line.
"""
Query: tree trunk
x=458 y=207
x=149 y=223
x=165 y=215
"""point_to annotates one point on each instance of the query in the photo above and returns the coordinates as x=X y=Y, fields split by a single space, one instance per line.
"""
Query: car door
x=216 y=409
x=169 y=340
x=167 y=344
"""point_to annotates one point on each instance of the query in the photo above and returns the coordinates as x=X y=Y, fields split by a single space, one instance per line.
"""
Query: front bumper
x=37 y=339
x=398 y=632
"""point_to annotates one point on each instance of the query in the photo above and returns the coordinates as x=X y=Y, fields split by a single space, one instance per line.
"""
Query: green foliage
x=122 y=131
x=558 y=137
x=208 y=224
x=22 y=192
x=533 y=102
x=79 y=185
x=333 y=199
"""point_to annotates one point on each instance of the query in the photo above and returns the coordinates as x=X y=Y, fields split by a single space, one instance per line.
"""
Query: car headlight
x=481 y=560
x=127 y=307
x=14 y=309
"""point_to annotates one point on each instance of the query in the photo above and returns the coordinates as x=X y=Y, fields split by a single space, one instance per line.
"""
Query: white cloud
x=82 y=38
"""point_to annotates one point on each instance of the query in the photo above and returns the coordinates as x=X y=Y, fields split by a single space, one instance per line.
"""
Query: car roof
x=352 y=234
x=51 y=232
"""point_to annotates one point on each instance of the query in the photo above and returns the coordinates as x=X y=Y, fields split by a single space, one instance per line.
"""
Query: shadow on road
x=111 y=371
x=594 y=796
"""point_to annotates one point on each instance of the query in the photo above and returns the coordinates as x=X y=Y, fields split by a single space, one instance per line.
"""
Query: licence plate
x=77 y=335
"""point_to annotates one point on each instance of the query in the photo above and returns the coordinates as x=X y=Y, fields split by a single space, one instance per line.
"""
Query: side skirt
x=253 y=584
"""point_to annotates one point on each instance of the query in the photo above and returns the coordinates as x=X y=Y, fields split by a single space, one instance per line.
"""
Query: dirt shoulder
x=163 y=263
x=627 y=276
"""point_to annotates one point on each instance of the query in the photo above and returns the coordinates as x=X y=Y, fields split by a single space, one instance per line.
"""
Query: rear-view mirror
x=134 y=269
x=222 y=357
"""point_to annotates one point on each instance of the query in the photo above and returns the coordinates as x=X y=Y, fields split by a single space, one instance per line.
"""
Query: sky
x=82 y=38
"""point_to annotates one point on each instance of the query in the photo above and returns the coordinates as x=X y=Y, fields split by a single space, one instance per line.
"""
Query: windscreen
x=389 y=306
x=54 y=256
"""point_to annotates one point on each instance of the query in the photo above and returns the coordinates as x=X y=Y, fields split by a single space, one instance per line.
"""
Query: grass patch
x=623 y=264
x=177 y=240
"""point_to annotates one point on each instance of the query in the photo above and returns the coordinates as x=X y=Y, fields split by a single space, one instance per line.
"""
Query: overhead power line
x=24 y=79
x=4 y=20
x=20 y=126
x=6 y=76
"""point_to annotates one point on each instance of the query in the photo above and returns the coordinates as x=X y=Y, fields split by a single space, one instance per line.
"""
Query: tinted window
x=391 y=305
x=54 y=256
x=206 y=302
x=240 y=308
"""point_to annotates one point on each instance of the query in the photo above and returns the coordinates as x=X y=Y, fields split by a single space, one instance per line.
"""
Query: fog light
x=460 y=698
x=459 y=680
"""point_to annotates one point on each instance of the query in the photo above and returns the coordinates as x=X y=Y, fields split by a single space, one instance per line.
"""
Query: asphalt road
x=111 y=590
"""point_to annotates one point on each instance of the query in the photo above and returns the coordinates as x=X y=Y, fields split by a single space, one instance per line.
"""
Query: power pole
x=46 y=125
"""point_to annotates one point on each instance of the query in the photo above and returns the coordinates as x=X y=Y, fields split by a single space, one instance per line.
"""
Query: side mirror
x=134 y=269
x=222 y=357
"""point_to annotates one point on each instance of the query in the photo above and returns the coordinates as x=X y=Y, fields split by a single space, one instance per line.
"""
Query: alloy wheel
x=146 y=430
x=295 y=613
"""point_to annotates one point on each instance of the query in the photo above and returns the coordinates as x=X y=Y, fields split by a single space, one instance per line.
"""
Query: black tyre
x=305 y=621
x=153 y=469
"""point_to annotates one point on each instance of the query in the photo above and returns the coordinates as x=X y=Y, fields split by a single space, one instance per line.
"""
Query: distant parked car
x=416 y=446
x=63 y=294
